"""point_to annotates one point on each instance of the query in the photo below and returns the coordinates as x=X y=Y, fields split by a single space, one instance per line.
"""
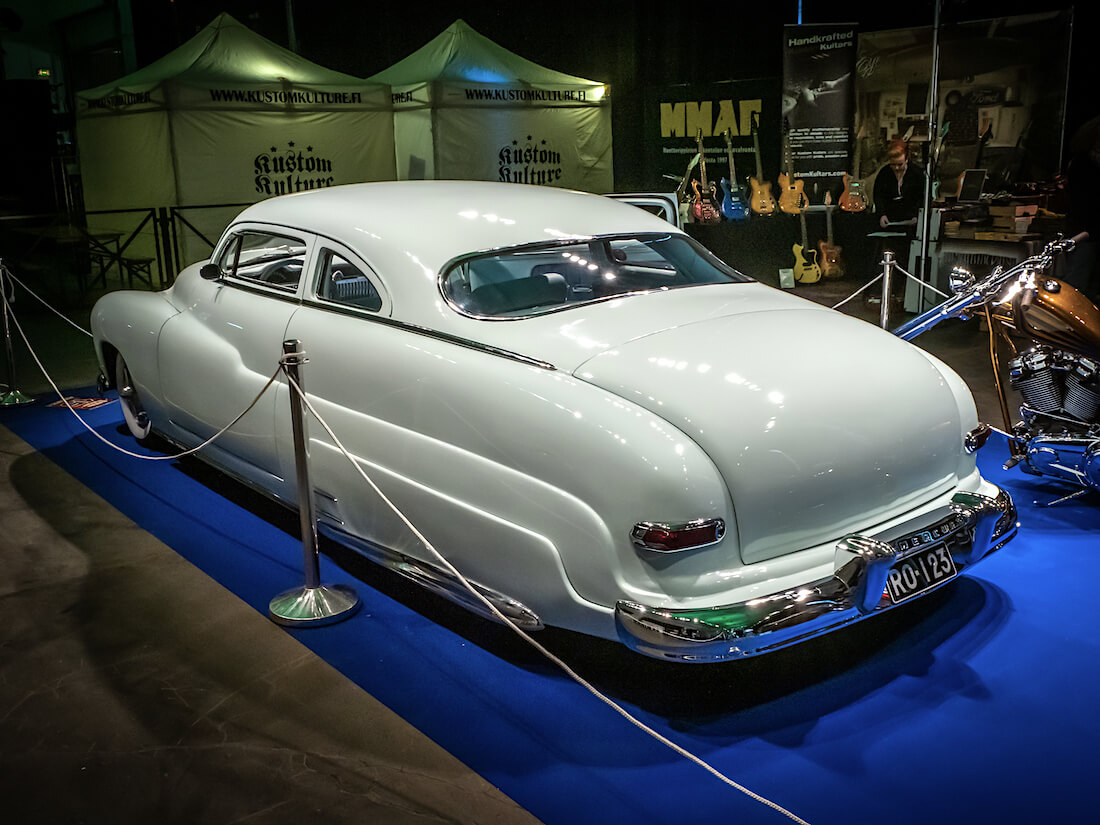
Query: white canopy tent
x=467 y=108
x=227 y=118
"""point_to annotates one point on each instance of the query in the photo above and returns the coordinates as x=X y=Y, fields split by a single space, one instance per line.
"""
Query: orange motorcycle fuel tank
x=1056 y=313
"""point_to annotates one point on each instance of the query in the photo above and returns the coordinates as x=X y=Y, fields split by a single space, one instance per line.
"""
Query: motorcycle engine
x=1060 y=384
x=1061 y=414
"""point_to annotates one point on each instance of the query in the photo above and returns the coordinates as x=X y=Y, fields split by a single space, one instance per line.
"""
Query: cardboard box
x=1013 y=210
x=1010 y=224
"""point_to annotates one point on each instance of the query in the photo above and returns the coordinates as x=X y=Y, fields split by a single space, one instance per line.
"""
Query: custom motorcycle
x=1057 y=375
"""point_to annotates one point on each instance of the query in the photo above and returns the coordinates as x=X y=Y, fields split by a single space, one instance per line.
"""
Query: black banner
x=818 y=86
x=677 y=115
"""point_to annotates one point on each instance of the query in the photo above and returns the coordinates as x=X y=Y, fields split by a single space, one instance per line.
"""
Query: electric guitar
x=733 y=207
x=760 y=200
x=703 y=208
x=682 y=182
x=792 y=197
x=806 y=270
x=683 y=204
x=831 y=267
x=852 y=199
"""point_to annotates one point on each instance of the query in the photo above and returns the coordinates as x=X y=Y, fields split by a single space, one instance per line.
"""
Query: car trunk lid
x=820 y=424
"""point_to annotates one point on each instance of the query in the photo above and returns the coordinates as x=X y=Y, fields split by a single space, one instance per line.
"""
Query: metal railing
x=82 y=246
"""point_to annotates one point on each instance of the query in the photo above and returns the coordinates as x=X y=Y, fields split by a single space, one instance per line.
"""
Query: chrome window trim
x=280 y=292
x=256 y=288
x=331 y=245
x=736 y=276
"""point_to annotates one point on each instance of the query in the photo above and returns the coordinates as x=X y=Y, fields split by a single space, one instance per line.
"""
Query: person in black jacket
x=899 y=189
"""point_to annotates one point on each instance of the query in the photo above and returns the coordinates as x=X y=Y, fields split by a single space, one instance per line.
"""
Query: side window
x=342 y=282
x=267 y=258
x=228 y=258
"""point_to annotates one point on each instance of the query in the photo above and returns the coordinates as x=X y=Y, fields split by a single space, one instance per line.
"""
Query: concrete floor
x=134 y=689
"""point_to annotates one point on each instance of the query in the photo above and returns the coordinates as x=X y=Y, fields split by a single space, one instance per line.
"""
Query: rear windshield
x=530 y=280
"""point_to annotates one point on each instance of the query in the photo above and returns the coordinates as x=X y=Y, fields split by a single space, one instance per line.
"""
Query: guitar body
x=733 y=206
x=761 y=200
x=852 y=198
x=806 y=270
x=792 y=197
x=702 y=204
x=829 y=258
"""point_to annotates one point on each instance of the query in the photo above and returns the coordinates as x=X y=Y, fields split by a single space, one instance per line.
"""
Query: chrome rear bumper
x=977 y=526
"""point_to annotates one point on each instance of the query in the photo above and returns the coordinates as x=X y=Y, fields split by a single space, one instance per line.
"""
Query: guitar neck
x=802 y=220
x=828 y=225
x=702 y=160
x=756 y=151
x=787 y=164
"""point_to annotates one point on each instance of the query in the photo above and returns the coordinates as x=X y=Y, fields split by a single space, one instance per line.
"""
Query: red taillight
x=671 y=538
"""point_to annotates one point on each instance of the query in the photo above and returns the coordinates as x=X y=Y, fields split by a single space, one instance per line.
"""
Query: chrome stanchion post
x=887 y=271
x=10 y=397
x=314 y=603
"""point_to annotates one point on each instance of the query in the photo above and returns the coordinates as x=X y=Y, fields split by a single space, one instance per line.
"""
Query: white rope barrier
x=923 y=284
x=41 y=300
x=877 y=278
x=572 y=674
x=113 y=446
x=565 y=668
x=866 y=286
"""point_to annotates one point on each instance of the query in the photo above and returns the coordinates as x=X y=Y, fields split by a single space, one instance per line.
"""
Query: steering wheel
x=282 y=273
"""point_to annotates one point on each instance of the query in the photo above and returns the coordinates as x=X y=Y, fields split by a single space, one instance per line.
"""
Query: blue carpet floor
x=977 y=704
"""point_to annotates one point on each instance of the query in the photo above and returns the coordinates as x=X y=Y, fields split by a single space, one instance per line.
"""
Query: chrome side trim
x=457 y=340
x=433 y=578
x=206 y=458
x=438 y=580
x=975 y=526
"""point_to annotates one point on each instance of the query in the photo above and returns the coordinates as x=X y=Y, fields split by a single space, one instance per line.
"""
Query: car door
x=219 y=352
x=344 y=329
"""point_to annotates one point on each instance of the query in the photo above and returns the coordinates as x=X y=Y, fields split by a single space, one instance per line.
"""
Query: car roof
x=426 y=224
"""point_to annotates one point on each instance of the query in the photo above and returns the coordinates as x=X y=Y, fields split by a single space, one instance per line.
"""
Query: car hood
x=820 y=424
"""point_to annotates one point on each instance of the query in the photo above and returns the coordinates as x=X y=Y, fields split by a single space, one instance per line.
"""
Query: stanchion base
x=314 y=606
x=14 y=398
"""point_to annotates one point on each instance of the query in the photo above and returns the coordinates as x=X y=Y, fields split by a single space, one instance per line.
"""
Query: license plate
x=919 y=572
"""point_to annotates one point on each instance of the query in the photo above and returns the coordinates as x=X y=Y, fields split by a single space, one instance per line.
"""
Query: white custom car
x=599 y=423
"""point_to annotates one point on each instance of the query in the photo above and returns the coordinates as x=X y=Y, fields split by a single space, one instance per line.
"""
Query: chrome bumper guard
x=977 y=526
